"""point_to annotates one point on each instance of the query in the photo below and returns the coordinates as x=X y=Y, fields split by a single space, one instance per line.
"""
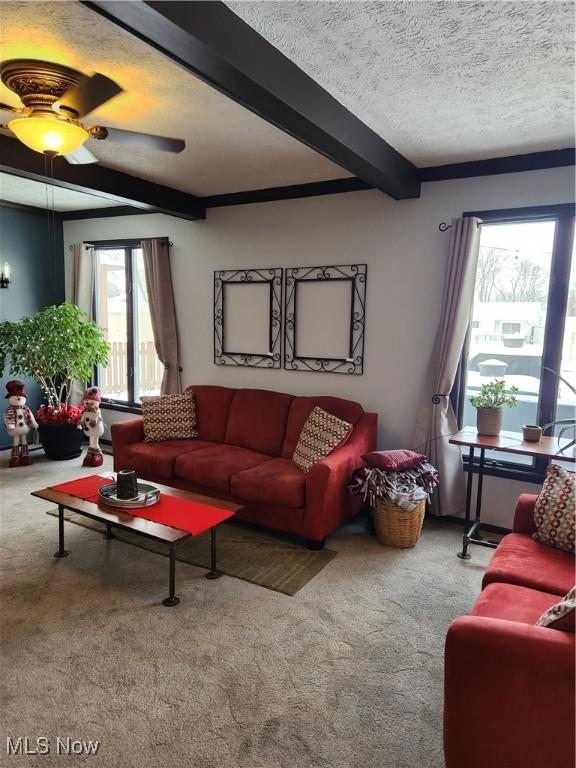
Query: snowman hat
x=92 y=393
x=15 y=389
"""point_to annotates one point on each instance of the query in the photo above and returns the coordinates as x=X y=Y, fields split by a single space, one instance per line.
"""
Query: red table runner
x=182 y=514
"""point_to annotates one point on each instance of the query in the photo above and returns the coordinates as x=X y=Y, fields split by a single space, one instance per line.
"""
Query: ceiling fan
x=55 y=99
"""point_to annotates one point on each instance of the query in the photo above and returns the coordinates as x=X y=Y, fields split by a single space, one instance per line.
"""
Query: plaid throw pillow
x=320 y=435
x=169 y=417
x=561 y=615
x=555 y=509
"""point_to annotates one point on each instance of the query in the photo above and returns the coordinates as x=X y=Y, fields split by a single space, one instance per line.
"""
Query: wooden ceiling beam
x=212 y=42
x=98 y=180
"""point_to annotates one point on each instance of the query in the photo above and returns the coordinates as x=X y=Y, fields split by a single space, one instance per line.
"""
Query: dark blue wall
x=37 y=277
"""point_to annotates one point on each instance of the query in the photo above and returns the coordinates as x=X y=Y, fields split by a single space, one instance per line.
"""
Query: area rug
x=244 y=553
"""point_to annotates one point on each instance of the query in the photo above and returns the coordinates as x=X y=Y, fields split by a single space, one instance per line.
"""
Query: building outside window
x=511 y=329
x=123 y=312
x=524 y=319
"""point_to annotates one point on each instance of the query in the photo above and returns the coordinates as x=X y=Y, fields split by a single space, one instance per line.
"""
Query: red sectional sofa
x=246 y=441
x=509 y=684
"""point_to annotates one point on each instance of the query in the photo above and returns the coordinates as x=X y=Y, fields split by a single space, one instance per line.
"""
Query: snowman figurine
x=93 y=427
x=18 y=419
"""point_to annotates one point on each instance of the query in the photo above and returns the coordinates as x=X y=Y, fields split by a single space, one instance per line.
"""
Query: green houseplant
x=54 y=347
x=489 y=402
x=566 y=425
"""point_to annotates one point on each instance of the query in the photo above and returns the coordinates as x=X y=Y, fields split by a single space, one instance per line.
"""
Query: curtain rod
x=443 y=227
x=122 y=243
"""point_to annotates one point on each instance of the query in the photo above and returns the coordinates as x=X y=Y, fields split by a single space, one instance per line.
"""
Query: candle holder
x=126 y=484
x=531 y=433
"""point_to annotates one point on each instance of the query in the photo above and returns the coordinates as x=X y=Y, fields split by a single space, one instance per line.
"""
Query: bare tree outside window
x=503 y=276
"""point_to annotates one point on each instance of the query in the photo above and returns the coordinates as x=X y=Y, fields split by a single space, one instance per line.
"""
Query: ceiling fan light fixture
x=49 y=134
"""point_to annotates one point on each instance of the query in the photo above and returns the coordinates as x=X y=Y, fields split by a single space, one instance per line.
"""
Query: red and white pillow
x=562 y=615
x=169 y=417
x=555 y=509
x=321 y=434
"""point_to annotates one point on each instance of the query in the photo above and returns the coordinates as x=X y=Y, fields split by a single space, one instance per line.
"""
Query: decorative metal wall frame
x=356 y=275
x=270 y=358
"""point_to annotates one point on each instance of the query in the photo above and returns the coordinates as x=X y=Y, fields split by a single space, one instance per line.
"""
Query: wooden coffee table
x=148 y=528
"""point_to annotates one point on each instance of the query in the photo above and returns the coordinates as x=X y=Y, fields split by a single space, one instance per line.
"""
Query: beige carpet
x=346 y=674
x=245 y=552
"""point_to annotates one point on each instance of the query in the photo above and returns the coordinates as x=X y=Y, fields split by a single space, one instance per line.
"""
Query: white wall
x=405 y=254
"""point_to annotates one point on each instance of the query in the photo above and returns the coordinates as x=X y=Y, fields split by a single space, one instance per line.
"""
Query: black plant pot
x=61 y=441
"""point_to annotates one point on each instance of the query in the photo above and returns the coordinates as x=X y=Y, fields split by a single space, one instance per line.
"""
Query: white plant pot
x=489 y=421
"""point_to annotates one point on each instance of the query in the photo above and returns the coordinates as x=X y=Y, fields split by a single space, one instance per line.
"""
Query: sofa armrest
x=328 y=500
x=514 y=684
x=524 y=514
x=124 y=433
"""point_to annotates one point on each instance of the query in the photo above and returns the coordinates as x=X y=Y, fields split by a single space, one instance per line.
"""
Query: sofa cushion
x=302 y=407
x=512 y=603
x=169 y=417
x=321 y=434
x=555 y=509
x=257 y=420
x=278 y=481
x=156 y=459
x=212 y=409
x=561 y=615
x=519 y=559
x=214 y=466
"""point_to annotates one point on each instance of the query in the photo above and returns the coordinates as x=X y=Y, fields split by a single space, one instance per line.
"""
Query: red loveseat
x=246 y=441
x=509 y=684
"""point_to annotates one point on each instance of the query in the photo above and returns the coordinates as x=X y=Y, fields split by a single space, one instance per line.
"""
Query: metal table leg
x=61 y=551
x=465 y=555
x=477 y=522
x=213 y=573
x=471 y=534
x=172 y=599
x=109 y=534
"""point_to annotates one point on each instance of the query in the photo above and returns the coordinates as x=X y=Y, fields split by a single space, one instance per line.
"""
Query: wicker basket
x=396 y=527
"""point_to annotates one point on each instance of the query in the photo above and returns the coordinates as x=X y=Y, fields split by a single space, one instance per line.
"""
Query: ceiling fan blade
x=146 y=140
x=87 y=95
x=82 y=156
x=10 y=110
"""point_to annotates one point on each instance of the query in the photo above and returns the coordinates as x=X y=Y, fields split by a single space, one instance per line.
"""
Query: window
x=566 y=397
x=523 y=319
x=509 y=329
x=123 y=312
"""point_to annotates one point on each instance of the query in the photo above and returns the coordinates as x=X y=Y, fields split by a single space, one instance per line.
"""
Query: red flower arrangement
x=66 y=414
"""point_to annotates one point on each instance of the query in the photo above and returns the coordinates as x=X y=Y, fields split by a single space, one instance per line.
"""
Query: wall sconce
x=5 y=276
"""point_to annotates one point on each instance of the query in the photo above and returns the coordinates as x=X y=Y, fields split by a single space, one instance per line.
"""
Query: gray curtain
x=436 y=418
x=83 y=276
x=163 y=311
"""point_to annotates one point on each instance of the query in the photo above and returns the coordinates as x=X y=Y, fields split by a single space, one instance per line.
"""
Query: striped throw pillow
x=169 y=417
x=320 y=435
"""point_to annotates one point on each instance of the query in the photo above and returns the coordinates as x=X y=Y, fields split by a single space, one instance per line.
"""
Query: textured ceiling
x=442 y=82
x=228 y=149
x=15 y=189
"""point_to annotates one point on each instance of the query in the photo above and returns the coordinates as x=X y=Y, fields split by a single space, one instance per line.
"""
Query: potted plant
x=489 y=402
x=56 y=346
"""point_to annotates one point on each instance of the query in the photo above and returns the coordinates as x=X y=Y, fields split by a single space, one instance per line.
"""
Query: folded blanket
x=405 y=489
